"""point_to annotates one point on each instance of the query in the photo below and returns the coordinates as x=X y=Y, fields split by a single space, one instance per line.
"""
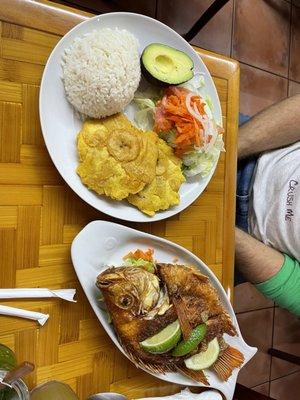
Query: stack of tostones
x=123 y=162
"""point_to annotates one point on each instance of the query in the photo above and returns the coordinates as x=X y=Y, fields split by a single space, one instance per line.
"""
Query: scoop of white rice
x=101 y=72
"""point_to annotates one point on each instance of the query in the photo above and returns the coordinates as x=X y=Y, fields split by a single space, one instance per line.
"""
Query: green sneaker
x=163 y=341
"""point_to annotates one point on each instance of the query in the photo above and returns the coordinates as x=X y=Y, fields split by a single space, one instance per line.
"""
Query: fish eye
x=125 y=301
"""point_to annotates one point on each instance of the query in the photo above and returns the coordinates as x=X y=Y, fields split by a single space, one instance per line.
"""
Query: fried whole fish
x=142 y=303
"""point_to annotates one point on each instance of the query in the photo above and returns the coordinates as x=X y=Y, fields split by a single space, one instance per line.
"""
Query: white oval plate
x=101 y=244
x=60 y=124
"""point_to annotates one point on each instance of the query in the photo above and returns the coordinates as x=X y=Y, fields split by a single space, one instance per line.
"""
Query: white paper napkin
x=18 y=312
x=65 y=294
x=186 y=394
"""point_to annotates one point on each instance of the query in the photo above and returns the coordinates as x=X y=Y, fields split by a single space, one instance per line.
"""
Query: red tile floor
x=264 y=35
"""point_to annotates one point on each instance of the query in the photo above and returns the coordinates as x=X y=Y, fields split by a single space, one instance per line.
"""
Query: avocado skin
x=155 y=81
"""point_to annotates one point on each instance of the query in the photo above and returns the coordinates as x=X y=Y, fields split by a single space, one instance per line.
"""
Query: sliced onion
x=189 y=107
x=193 y=111
x=214 y=134
x=195 y=114
x=206 y=122
x=197 y=111
x=210 y=130
x=164 y=101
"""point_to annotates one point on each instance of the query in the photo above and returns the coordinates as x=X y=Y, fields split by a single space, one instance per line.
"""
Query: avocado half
x=163 y=65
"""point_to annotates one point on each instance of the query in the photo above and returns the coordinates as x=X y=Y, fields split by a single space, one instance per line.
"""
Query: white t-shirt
x=274 y=213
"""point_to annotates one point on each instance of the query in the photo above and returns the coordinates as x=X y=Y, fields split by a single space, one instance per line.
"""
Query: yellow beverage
x=53 y=391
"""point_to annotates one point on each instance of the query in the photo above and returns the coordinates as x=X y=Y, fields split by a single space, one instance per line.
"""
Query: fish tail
x=197 y=376
x=227 y=362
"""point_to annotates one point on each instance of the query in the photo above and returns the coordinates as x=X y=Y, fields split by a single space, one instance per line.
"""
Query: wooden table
x=40 y=215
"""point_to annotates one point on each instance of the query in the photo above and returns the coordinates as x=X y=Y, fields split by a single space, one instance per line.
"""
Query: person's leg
x=276 y=126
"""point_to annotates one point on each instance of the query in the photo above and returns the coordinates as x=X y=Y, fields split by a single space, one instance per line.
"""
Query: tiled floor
x=264 y=35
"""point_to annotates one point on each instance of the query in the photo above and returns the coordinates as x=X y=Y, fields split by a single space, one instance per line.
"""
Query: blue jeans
x=245 y=170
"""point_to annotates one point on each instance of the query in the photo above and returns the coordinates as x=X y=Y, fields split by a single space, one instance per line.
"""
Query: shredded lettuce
x=201 y=162
x=150 y=92
x=209 y=102
x=145 y=101
x=195 y=84
x=219 y=143
x=144 y=118
x=146 y=265
x=196 y=163
x=201 y=81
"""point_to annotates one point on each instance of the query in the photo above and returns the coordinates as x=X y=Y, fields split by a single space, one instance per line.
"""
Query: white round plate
x=60 y=124
x=102 y=244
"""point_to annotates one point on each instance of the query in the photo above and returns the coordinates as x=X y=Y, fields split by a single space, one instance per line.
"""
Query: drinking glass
x=18 y=390
x=8 y=359
x=53 y=390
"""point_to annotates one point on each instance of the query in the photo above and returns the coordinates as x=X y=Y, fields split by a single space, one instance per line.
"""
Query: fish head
x=131 y=291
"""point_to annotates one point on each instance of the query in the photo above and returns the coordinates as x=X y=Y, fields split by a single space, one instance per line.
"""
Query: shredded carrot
x=172 y=113
x=139 y=254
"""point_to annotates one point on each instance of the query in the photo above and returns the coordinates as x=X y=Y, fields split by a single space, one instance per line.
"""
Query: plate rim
x=198 y=260
x=122 y=215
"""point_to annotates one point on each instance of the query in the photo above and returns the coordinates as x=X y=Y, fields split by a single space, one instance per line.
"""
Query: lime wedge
x=205 y=359
x=186 y=346
x=163 y=341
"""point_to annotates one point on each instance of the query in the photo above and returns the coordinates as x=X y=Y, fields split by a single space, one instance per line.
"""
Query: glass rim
x=19 y=386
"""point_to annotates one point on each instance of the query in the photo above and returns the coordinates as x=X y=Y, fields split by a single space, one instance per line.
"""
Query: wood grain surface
x=40 y=215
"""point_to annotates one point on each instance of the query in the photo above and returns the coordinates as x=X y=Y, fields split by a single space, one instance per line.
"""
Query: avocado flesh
x=163 y=65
